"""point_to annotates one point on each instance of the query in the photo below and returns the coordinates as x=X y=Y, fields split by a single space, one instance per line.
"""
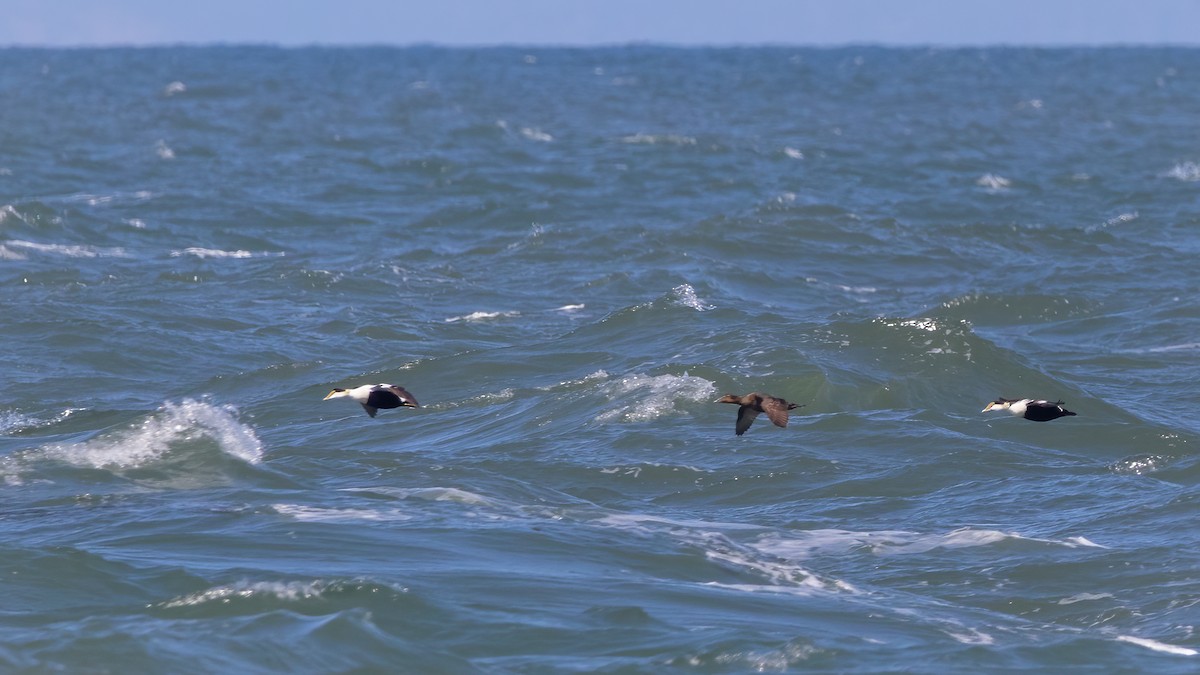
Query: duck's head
x=999 y=404
x=336 y=393
x=729 y=398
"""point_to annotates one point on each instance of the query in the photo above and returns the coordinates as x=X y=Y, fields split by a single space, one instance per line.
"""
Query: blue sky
x=591 y=22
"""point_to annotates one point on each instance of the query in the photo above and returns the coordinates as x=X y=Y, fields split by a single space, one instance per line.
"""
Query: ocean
x=567 y=255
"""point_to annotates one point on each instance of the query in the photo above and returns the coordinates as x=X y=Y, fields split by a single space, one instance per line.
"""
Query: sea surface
x=567 y=255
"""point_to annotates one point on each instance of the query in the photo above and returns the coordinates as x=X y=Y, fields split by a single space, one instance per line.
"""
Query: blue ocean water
x=567 y=255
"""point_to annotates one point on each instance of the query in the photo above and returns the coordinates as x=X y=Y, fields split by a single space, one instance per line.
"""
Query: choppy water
x=567 y=255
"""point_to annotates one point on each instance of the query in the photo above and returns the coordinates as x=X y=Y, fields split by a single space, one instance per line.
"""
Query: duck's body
x=376 y=396
x=1036 y=410
x=754 y=403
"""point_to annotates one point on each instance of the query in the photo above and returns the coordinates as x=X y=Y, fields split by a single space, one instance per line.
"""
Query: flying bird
x=754 y=403
x=1036 y=410
x=376 y=396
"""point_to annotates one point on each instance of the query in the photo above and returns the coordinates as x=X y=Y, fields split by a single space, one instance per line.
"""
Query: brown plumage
x=754 y=403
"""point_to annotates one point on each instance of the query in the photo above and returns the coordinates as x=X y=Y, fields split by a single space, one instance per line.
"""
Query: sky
x=69 y=23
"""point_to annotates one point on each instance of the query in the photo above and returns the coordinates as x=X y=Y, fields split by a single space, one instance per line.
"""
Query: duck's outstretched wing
x=776 y=409
x=746 y=415
x=404 y=396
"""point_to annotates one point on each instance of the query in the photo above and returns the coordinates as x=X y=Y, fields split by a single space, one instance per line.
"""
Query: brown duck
x=754 y=403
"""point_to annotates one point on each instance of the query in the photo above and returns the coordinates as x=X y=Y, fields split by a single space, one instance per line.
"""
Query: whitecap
x=647 y=397
x=652 y=139
x=334 y=515
x=287 y=591
x=114 y=198
x=753 y=661
x=803 y=545
x=685 y=295
x=856 y=289
x=793 y=153
x=1185 y=171
x=993 y=182
x=218 y=253
x=1140 y=465
x=7 y=253
x=970 y=636
x=571 y=384
x=643 y=523
x=536 y=135
x=174 y=88
x=68 y=250
x=1185 y=346
x=1084 y=597
x=433 y=494
x=567 y=309
x=482 y=316
x=14 y=422
x=163 y=150
x=1157 y=646
x=154 y=440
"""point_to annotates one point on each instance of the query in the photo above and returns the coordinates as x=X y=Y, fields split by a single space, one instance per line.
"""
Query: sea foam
x=67 y=250
x=176 y=430
x=647 y=397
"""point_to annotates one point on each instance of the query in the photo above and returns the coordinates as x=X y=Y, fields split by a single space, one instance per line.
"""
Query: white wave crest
x=163 y=150
x=1157 y=646
x=1085 y=597
x=685 y=295
x=993 y=183
x=289 y=591
x=1185 y=171
x=482 y=316
x=14 y=422
x=571 y=384
x=218 y=253
x=322 y=514
x=68 y=250
x=281 y=591
x=647 y=397
x=433 y=494
x=9 y=254
x=656 y=139
x=769 y=573
x=535 y=134
x=158 y=436
x=807 y=544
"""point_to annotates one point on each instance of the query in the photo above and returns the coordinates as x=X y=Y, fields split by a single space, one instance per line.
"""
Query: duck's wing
x=776 y=409
x=1044 y=411
x=371 y=410
x=746 y=415
x=403 y=394
x=1044 y=405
